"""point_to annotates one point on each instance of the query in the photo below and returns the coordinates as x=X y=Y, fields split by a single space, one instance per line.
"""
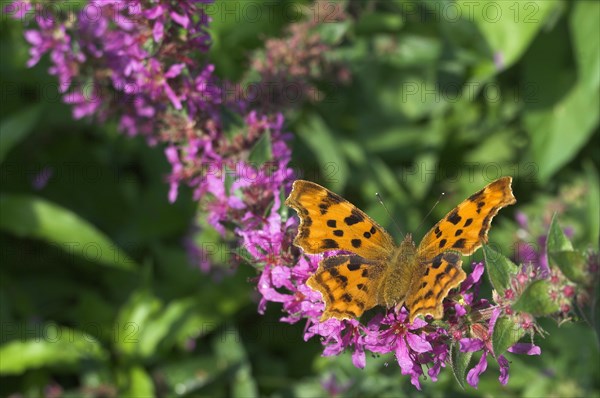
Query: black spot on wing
x=468 y=222
x=323 y=207
x=329 y=244
x=346 y=297
x=437 y=231
x=356 y=243
x=458 y=232
x=354 y=218
x=437 y=261
x=331 y=223
x=365 y=273
x=343 y=280
x=428 y=295
x=333 y=198
x=453 y=217
x=443 y=243
x=338 y=232
x=373 y=230
x=475 y=197
x=367 y=235
x=353 y=266
x=451 y=258
x=460 y=243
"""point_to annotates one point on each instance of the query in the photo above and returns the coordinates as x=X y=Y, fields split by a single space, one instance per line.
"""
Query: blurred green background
x=98 y=295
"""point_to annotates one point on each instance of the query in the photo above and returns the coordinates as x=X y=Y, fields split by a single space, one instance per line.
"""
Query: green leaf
x=133 y=320
x=499 y=269
x=164 y=326
x=571 y=263
x=459 y=361
x=560 y=251
x=577 y=108
x=506 y=334
x=593 y=205
x=378 y=22
x=28 y=216
x=508 y=27
x=583 y=24
x=17 y=127
x=228 y=347
x=332 y=32
x=323 y=143
x=262 y=150
x=535 y=300
x=557 y=240
x=55 y=346
x=138 y=383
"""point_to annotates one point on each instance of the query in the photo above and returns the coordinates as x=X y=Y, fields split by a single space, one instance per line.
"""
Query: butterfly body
x=400 y=273
x=378 y=272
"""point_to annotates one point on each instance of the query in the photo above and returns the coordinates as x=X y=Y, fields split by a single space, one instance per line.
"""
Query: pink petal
x=525 y=348
x=174 y=70
x=471 y=345
x=418 y=343
x=182 y=20
x=358 y=357
x=158 y=31
x=473 y=375
x=503 y=362
x=403 y=358
x=34 y=37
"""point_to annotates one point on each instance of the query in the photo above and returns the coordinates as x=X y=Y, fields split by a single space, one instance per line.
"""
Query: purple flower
x=483 y=343
x=406 y=340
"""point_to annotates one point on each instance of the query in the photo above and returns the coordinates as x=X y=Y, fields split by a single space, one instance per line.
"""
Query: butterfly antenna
x=389 y=214
x=429 y=212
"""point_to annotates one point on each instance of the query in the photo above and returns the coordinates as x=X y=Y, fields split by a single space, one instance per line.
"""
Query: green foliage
x=573 y=264
x=435 y=104
x=506 y=334
x=536 y=301
x=459 y=361
x=499 y=269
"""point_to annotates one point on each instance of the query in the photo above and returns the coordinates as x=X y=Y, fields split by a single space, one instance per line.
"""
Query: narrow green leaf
x=32 y=217
x=593 y=205
x=138 y=384
x=262 y=150
x=133 y=320
x=323 y=143
x=164 y=326
x=535 y=300
x=506 y=334
x=499 y=269
x=55 y=346
x=16 y=128
x=459 y=361
x=557 y=240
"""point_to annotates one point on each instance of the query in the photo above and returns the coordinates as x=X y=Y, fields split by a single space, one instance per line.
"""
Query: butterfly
x=379 y=272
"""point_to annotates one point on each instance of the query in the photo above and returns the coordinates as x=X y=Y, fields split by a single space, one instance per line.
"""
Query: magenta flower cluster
x=124 y=58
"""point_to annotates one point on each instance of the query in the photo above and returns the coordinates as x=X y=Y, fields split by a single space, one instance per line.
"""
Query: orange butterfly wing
x=466 y=227
x=329 y=222
x=349 y=285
